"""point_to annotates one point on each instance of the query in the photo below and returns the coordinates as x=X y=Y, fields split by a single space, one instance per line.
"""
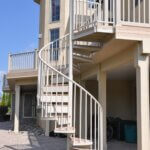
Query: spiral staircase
x=74 y=111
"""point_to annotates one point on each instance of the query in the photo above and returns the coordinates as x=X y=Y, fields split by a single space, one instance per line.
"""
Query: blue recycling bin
x=130 y=130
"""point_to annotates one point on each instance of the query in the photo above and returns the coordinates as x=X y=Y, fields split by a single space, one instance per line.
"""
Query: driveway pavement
x=27 y=141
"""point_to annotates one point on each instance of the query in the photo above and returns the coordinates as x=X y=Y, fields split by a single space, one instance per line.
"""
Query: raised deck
x=103 y=20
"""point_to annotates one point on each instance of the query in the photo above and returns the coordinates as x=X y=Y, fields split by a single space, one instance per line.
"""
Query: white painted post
x=17 y=106
x=71 y=11
x=71 y=60
x=101 y=77
x=142 y=84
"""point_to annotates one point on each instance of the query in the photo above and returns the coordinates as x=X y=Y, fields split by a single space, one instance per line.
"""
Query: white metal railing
x=135 y=11
x=82 y=112
x=22 y=61
x=88 y=12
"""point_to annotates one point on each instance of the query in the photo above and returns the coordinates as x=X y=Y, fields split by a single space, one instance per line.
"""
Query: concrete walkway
x=27 y=141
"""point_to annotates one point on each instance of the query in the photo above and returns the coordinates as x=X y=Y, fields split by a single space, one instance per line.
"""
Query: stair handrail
x=96 y=102
x=66 y=77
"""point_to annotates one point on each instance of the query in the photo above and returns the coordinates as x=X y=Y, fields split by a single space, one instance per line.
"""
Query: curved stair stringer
x=80 y=116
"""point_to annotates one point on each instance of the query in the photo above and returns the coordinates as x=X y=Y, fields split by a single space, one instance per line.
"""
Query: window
x=54 y=35
x=55 y=10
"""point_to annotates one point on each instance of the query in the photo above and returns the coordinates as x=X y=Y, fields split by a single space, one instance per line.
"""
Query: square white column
x=17 y=105
x=142 y=86
x=102 y=79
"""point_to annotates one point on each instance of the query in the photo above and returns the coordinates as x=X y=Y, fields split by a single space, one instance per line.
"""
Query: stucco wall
x=45 y=22
x=121 y=98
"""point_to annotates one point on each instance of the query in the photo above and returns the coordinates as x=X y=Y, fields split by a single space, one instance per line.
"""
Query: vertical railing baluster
x=63 y=81
x=123 y=10
x=80 y=115
x=139 y=11
x=144 y=15
x=75 y=105
x=133 y=10
x=91 y=118
x=95 y=125
x=57 y=89
x=85 y=116
x=149 y=12
x=51 y=93
x=110 y=11
x=98 y=129
x=46 y=92
x=128 y=10
x=114 y=7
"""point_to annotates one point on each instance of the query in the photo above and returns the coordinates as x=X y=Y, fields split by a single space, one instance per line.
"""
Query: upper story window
x=55 y=10
x=54 y=35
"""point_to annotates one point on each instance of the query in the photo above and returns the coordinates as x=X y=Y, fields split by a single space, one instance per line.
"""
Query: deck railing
x=135 y=11
x=23 y=61
x=110 y=12
x=88 y=12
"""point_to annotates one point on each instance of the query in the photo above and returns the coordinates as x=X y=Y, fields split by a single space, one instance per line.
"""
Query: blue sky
x=19 y=26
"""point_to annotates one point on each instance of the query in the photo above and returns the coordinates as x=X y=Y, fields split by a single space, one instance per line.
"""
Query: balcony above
x=105 y=19
x=22 y=65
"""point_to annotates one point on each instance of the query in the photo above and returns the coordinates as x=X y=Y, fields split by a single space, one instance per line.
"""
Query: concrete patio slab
x=27 y=141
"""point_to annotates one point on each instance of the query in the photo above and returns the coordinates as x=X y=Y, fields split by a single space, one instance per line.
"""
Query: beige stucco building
x=92 y=63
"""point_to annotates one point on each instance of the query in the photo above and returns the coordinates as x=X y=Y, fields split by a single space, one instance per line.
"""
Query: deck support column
x=142 y=86
x=102 y=77
x=17 y=106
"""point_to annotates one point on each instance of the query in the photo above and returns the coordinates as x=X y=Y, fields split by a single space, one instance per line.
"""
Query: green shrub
x=6 y=100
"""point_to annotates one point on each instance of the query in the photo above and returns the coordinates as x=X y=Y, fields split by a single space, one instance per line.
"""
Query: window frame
x=50 y=12
x=55 y=58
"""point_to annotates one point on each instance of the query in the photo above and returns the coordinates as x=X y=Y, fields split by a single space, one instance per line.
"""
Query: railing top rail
x=21 y=53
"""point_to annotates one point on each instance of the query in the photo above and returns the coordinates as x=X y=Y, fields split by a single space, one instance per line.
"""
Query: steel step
x=80 y=142
x=65 y=130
